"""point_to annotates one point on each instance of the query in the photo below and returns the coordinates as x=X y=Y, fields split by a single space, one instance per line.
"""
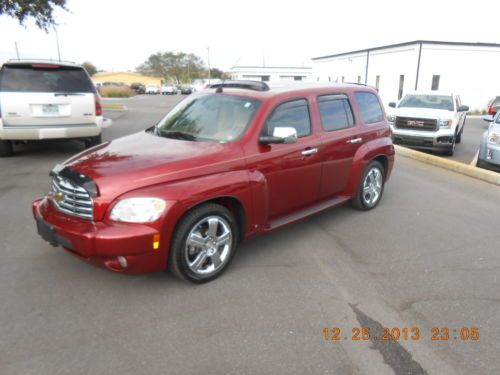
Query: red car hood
x=144 y=159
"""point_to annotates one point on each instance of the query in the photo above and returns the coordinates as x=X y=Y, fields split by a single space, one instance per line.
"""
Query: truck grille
x=70 y=198
x=412 y=123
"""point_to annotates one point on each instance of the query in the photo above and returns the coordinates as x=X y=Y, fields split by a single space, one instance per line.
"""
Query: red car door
x=292 y=171
x=340 y=138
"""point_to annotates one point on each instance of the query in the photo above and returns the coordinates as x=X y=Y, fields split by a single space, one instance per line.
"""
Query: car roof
x=42 y=61
x=286 y=89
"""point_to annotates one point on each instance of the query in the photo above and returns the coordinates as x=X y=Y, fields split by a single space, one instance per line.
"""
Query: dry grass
x=116 y=92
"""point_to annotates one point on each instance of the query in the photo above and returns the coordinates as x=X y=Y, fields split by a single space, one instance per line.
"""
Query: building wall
x=274 y=73
x=125 y=77
x=470 y=71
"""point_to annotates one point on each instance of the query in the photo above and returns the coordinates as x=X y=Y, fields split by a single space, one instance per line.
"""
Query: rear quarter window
x=27 y=78
x=370 y=108
x=335 y=112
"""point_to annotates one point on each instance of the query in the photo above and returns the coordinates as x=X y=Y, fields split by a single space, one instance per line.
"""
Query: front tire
x=371 y=187
x=204 y=243
x=6 y=148
x=451 y=150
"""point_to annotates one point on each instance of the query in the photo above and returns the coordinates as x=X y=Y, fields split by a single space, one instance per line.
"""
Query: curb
x=451 y=165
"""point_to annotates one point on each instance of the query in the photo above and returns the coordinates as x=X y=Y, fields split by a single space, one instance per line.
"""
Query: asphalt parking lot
x=426 y=257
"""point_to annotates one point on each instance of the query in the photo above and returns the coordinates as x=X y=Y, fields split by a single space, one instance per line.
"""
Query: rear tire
x=6 y=148
x=371 y=188
x=204 y=243
x=93 y=141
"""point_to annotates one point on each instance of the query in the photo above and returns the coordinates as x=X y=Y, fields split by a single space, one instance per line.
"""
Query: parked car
x=225 y=165
x=152 y=89
x=494 y=106
x=428 y=120
x=168 y=89
x=47 y=100
x=489 y=149
x=139 y=88
x=187 y=89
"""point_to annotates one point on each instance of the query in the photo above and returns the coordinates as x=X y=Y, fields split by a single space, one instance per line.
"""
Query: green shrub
x=478 y=112
x=116 y=92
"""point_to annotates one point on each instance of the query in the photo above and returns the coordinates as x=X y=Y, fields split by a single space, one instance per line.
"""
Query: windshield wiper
x=177 y=135
x=68 y=93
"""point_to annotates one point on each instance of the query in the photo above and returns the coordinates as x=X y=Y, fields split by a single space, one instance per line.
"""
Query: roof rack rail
x=241 y=84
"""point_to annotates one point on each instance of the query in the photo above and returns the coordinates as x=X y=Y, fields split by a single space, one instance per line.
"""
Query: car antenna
x=218 y=90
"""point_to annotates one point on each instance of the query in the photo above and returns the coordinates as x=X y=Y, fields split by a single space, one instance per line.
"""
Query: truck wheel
x=371 y=187
x=6 y=148
x=94 y=141
x=458 y=138
x=451 y=150
x=204 y=243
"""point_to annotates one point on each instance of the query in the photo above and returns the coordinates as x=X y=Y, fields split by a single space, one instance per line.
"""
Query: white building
x=470 y=69
x=271 y=73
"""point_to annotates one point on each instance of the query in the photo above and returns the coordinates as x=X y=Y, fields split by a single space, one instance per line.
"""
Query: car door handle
x=355 y=140
x=309 y=151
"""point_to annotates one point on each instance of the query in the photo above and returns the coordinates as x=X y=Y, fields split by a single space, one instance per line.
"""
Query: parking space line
x=474 y=160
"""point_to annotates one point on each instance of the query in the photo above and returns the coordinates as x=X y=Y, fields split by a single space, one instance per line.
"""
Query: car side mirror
x=488 y=118
x=392 y=105
x=463 y=108
x=285 y=135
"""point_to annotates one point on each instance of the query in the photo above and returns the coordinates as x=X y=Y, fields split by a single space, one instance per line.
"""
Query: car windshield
x=212 y=117
x=427 y=101
x=44 y=78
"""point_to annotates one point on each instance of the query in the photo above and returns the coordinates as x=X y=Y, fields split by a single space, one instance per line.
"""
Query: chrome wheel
x=372 y=187
x=208 y=245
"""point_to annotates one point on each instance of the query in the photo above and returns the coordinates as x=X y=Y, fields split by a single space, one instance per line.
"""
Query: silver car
x=489 y=151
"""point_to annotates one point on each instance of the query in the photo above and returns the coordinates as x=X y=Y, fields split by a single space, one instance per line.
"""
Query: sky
x=120 y=35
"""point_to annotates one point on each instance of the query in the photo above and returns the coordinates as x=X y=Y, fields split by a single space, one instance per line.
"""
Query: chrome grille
x=70 y=198
x=412 y=123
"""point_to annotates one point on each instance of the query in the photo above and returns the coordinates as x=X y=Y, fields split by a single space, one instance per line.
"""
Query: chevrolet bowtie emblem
x=58 y=197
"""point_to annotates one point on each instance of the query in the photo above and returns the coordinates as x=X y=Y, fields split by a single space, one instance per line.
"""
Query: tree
x=90 y=68
x=180 y=66
x=40 y=10
x=217 y=73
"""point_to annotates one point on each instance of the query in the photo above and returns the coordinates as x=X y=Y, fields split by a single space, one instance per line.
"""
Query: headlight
x=445 y=123
x=493 y=137
x=138 y=210
x=391 y=118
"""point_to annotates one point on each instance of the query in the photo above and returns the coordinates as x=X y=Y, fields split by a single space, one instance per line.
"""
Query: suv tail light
x=98 y=106
x=491 y=110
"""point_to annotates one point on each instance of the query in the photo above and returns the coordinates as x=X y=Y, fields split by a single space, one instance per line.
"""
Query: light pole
x=57 y=41
x=208 y=61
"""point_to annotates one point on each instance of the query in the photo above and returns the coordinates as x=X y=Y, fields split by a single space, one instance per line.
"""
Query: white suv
x=47 y=100
x=428 y=120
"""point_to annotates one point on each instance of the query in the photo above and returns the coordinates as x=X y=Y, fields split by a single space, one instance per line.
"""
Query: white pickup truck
x=431 y=120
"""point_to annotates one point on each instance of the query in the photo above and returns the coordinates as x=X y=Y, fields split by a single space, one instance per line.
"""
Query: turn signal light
x=156 y=241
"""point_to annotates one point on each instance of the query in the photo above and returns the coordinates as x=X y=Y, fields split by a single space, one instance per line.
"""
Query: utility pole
x=208 y=62
x=17 y=51
x=57 y=41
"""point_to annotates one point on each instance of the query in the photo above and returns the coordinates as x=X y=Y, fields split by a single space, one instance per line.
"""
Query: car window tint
x=293 y=114
x=369 y=105
x=335 y=112
x=26 y=78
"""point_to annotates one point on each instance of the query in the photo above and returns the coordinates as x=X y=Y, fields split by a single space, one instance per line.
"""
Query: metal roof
x=435 y=42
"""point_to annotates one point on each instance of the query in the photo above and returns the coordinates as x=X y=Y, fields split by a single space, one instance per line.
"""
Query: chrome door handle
x=309 y=151
x=355 y=140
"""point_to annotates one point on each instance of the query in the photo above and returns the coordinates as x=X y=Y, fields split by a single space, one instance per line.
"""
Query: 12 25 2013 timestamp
x=404 y=333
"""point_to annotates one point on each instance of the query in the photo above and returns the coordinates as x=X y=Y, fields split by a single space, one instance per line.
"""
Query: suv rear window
x=370 y=107
x=30 y=78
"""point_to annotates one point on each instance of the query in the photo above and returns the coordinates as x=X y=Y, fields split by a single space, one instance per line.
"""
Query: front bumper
x=424 y=140
x=101 y=243
x=489 y=156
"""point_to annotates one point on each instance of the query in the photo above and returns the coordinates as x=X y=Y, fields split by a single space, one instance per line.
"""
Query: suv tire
x=6 y=148
x=213 y=231
x=371 y=187
x=94 y=141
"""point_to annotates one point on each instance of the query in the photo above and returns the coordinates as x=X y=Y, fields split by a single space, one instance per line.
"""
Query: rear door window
x=44 y=78
x=371 y=111
x=293 y=114
x=335 y=112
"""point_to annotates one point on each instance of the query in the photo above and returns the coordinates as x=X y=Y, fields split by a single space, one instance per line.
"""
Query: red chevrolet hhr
x=228 y=163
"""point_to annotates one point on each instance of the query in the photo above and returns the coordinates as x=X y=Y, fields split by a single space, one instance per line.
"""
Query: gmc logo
x=415 y=123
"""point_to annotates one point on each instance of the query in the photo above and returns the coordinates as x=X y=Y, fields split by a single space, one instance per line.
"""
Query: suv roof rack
x=241 y=84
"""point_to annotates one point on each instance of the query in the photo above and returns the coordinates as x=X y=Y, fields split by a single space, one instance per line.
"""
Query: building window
x=359 y=79
x=435 y=83
x=297 y=78
x=342 y=79
x=317 y=78
x=265 y=78
x=377 y=83
x=401 y=86
x=329 y=79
